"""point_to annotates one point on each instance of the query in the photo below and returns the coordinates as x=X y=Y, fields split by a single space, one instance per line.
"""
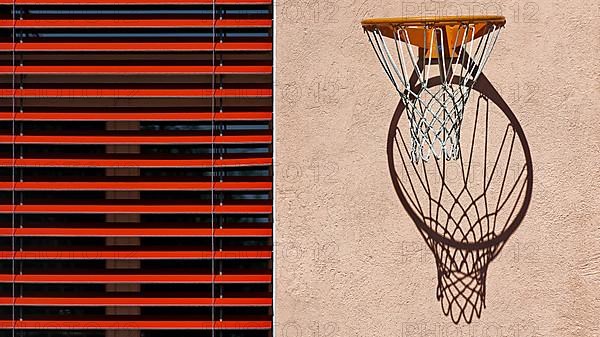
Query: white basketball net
x=435 y=111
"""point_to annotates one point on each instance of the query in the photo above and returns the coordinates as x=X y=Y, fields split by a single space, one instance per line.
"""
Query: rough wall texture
x=349 y=260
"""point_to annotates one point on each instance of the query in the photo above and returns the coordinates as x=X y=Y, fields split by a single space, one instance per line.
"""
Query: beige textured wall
x=349 y=261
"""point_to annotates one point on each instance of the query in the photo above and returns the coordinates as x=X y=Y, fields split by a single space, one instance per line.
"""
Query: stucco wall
x=349 y=260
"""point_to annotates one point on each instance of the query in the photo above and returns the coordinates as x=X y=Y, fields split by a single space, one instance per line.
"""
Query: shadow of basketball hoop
x=466 y=209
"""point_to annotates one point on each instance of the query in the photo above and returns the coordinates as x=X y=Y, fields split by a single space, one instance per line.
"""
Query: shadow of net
x=466 y=209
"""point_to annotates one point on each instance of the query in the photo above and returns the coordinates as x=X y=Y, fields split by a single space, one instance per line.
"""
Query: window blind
x=136 y=167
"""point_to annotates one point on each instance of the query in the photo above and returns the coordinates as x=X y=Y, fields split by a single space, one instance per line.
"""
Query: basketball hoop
x=465 y=209
x=450 y=51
